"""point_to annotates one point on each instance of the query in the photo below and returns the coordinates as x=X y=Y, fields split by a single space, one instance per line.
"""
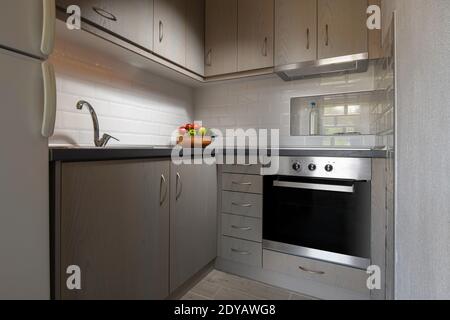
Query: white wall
x=264 y=103
x=423 y=148
x=134 y=106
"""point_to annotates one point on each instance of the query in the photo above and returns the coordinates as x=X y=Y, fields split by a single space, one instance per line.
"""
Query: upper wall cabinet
x=170 y=30
x=342 y=27
x=255 y=34
x=296 y=31
x=195 y=36
x=131 y=20
x=221 y=37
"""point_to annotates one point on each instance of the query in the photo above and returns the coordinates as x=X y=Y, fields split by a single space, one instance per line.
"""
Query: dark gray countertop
x=69 y=154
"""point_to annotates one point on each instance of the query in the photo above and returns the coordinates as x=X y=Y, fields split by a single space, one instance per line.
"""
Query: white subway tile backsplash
x=264 y=103
x=138 y=108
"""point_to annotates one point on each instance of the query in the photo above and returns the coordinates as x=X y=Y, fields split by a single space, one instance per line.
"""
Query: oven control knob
x=312 y=167
x=296 y=166
x=329 y=168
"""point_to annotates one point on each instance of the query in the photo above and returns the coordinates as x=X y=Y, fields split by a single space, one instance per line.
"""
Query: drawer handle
x=310 y=271
x=242 y=183
x=244 y=253
x=243 y=205
x=242 y=228
x=105 y=14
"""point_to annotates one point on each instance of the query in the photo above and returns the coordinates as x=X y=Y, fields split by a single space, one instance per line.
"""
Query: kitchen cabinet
x=193 y=220
x=342 y=27
x=195 y=37
x=170 y=30
x=295 y=31
x=131 y=20
x=114 y=225
x=221 y=37
x=255 y=34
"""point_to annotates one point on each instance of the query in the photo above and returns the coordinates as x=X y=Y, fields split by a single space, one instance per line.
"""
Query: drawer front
x=243 y=169
x=245 y=204
x=241 y=251
x=331 y=274
x=242 y=227
x=242 y=183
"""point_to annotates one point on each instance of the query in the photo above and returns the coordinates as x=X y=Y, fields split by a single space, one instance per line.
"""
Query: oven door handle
x=314 y=186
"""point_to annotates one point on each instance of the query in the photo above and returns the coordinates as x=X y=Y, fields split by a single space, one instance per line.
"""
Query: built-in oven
x=319 y=208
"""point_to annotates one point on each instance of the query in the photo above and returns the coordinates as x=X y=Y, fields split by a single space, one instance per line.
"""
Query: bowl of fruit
x=194 y=136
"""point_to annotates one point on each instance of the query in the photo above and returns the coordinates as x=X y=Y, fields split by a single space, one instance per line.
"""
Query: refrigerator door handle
x=48 y=122
x=48 y=26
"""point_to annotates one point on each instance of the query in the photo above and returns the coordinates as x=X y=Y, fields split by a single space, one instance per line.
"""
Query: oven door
x=327 y=220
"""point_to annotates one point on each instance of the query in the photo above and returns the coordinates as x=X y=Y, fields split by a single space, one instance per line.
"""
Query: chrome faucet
x=101 y=143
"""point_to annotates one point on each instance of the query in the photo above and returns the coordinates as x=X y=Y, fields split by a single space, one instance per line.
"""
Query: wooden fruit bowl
x=192 y=142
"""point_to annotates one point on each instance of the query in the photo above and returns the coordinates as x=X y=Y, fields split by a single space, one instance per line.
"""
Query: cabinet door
x=221 y=37
x=342 y=28
x=195 y=37
x=115 y=227
x=131 y=20
x=255 y=34
x=295 y=31
x=193 y=221
x=170 y=30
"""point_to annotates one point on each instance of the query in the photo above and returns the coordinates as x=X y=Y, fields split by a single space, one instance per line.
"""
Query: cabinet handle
x=244 y=253
x=161 y=31
x=105 y=14
x=162 y=198
x=264 y=52
x=208 y=58
x=242 y=228
x=242 y=183
x=307 y=39
x=243 y=205
x=178 y=183
x=310 y=271
x=327 y=35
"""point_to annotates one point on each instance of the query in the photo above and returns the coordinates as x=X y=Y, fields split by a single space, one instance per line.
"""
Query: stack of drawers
x=241 y=216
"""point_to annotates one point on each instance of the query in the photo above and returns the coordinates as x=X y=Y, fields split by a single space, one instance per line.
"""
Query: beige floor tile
x=193 y=296
x=295 y=296
x=206 y=289
x=254 y=288
x=219 y=285
x=231 y=294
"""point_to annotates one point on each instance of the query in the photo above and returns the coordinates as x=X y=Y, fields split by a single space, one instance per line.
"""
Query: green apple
x=202 y=131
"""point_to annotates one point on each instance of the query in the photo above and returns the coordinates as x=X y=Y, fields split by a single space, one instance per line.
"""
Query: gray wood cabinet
x=295 y=31
x=221 y=37
x=193 y=220
x=195 y=37
x=114 y=225
x=342 y=27
x=131 y=20
x=255 y=34
x=170 y=30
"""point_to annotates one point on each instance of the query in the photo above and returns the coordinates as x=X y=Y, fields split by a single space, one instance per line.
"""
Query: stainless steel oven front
x=319 y=208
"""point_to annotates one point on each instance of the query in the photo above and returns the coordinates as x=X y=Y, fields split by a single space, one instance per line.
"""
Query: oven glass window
x=332 y=221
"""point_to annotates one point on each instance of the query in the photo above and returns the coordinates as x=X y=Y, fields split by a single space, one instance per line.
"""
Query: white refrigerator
x=27 y=116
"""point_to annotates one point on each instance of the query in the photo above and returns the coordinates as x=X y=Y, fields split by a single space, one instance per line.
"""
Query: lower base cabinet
x=193 y=220
x=135 y=229
x=115 y=227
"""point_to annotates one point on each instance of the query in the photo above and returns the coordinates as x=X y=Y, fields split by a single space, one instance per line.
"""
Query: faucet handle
x=107 y=136
x=105 y=139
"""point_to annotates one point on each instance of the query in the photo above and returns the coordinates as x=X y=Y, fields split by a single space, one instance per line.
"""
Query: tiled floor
x=218 y=285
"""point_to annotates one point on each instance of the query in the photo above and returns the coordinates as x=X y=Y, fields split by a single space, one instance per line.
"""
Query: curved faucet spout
x=106 y=137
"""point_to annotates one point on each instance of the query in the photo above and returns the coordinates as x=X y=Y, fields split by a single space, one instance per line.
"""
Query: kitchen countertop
x=74 y=154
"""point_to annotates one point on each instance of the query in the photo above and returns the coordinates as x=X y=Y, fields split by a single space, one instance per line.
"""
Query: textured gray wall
x=423 y=150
